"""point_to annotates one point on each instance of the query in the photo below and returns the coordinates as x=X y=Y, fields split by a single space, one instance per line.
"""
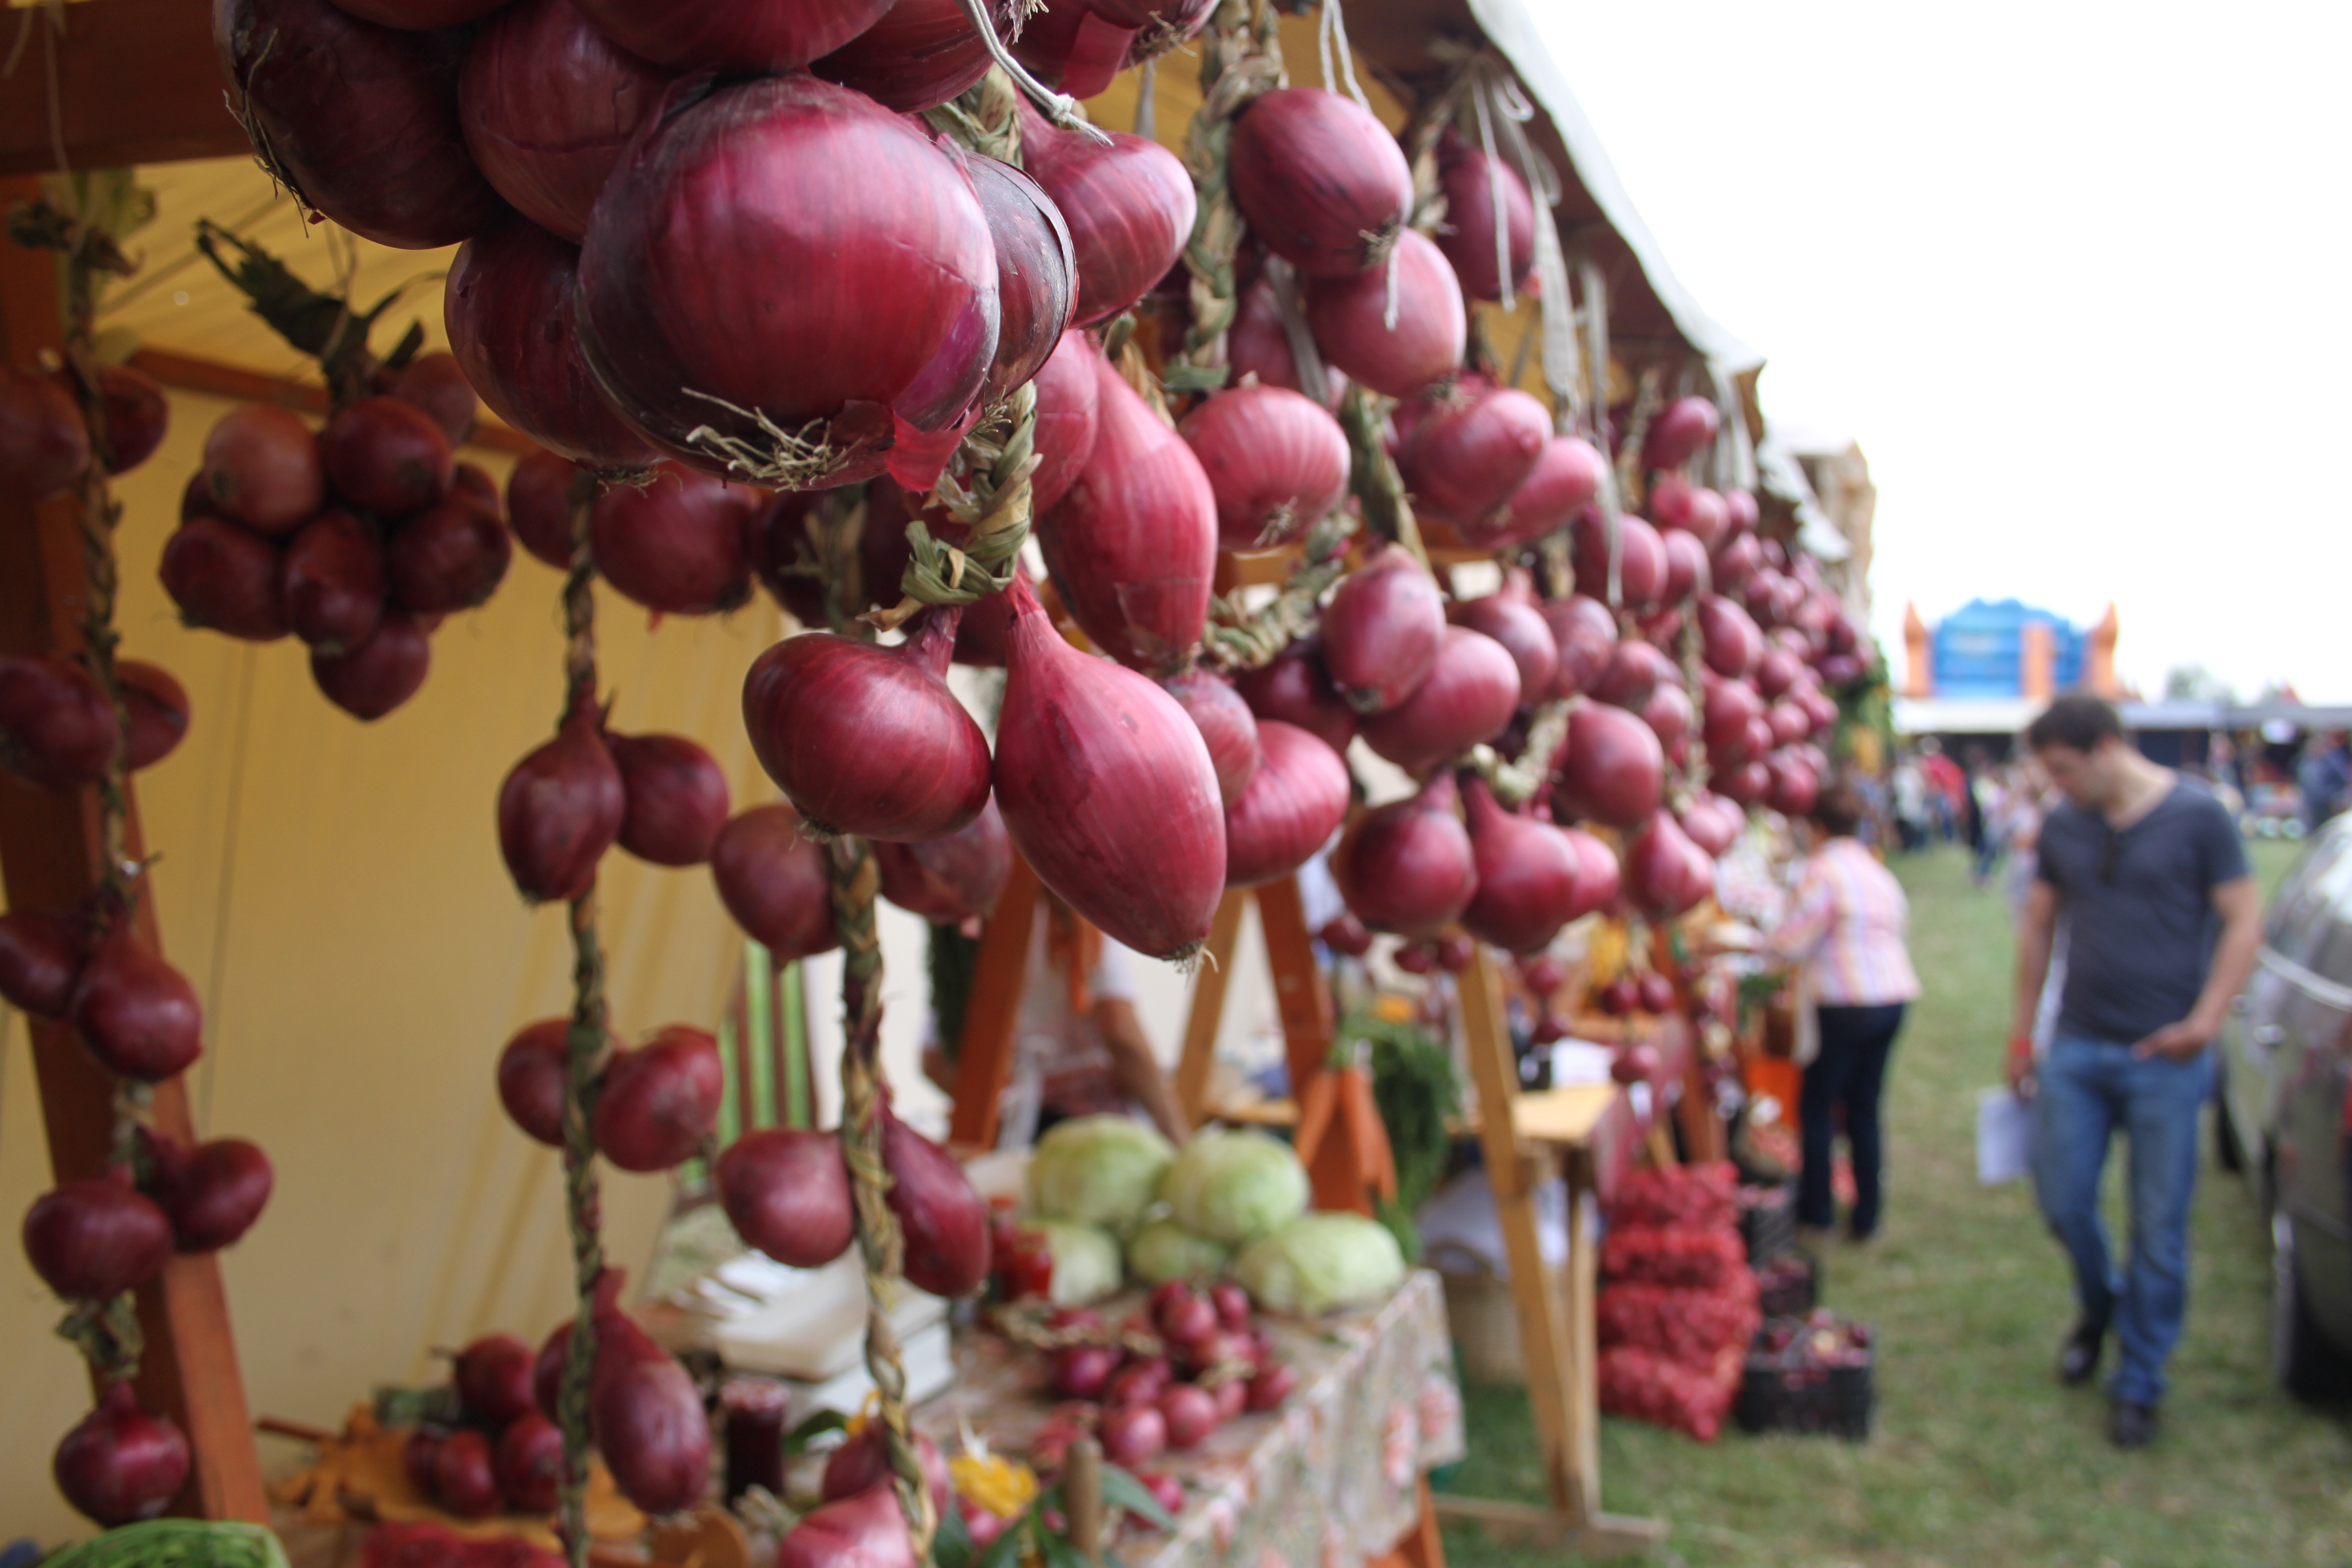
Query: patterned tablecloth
x=1325 y=1482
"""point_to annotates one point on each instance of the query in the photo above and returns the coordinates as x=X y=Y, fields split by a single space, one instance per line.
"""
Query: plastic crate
x=1785 y=1391
x=1768 y=1220
x=1789 y=1286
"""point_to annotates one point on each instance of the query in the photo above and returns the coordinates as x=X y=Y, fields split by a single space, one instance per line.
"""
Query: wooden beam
x=49 y=859
x=213 y=379
x=1199 y=1060
x=135 y=82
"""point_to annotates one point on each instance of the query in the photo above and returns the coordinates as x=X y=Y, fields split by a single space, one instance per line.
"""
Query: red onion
x=363 y=120
x=44 y=443
x=1277 y=463
x=647 y=1417
x=1687 y=566
x=1130 y=207
x=864 y=1462
x=1068 y=46
x=1295 y=689
x=227 y=578
x=1382 y=629
x=1730 y=707
x=1713 y=823
x=1666 y=873
x=1511 y=619
x=868 y=1531
x=1740 y=513
x=1598 y=890
x=1843 y=670
x=1674 y=504
x=1295 y=801
x=1191 y=1413
x=1468 y=696
x=1227 y=727
x=1350 y=317
x=120 y=1465
x=944 y=1221
x=40 y=953
x=1634 y=670
x=1469 y=453
x=492 y=1376
x=447 y=558
x=955 y=878
x=1529 y=876
x=93 y=1239
x=1736 y=563
x=136 y=1014
x=1680 y=430
x=1133 y=1434
x=57 y=729
x=529 y=1463
x=1709 y=517
x=1258 y=344
x=435 y=383
x=1640 y=559
x=868 y=739
x=1270 y=1387
x=1668 y=713
x=1566 y=477
x=921 y=53
x=675 y=545
x=1791 y=723
x=1612 y=770
x=380 y=674
x=774 y=882
x=1108 y=791
x=420 y=14
x=334 y=581
x=538 y=506
x=717 y=267
x=1407 y=866
x=213 y=1192
x=560 y=809
x=1729 y=640
x=137 y=414
x=1794 y=787
x=531 y=1079
x=547 y=104
x=675 y=796
x=786 y=1192
x=1776 y=672
x=262 y=467
x=657 y=1103
x=1069 y=394
x=1586 y=636
x=1037 y=280
x=1468 y=179
x=416 y=1457
x=773 y=36
x=1133 y=545
x=1321 y=182
x=508 y=306
x=1083 y=1371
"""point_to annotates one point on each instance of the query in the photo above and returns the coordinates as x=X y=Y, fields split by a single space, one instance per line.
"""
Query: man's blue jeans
x=2088 y=1090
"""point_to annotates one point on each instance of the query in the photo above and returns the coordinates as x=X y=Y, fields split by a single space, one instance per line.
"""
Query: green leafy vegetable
x=1322 y=1261
x=1165 y=1251
x=1234 y=1187
x=1103 y=1170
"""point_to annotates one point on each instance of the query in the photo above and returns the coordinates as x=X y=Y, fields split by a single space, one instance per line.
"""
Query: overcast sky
x=2075 y=276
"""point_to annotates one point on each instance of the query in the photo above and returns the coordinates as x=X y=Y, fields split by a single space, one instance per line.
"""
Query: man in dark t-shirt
x=2163 y=924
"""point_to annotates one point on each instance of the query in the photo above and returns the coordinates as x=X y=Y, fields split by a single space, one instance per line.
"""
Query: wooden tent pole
x=1200 y=1055
x=984 y=1051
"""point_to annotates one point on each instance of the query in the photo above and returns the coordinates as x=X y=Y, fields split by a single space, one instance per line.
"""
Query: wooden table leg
x=984 y=1053
x=1581 y=1280
x=1335 y=1161
x=1200 y=1057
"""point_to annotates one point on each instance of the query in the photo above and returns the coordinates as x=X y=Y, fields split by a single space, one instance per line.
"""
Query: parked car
x=2285 y=1113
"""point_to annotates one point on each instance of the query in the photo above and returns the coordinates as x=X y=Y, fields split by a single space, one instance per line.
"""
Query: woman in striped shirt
x=1845 y=928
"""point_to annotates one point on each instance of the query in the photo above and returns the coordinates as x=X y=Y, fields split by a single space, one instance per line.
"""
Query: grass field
x=1979 y=1458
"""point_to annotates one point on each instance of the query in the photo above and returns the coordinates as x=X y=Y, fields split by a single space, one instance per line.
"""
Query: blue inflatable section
x=1980 y=649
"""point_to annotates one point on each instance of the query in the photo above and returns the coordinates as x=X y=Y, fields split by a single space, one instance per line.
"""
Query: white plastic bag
x=2004 y=1137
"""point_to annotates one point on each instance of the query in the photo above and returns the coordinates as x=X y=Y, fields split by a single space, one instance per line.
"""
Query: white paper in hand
x=2004 y=1137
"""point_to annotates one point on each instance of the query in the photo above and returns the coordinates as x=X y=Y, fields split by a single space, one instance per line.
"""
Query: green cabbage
x=1103 y=1170
x=1234 y=1187
x=1320 y=1261
x=1085 y=1260
x=1164 y=1250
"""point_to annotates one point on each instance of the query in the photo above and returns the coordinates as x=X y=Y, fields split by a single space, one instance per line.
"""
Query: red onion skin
x=1529 y=874
x=1709 y=521
x=508 y=309
x=420 y=14
x=864 y=1462
x=55 y=727
x=866 y=1530
x=44 y=442
x=262 y=467
x=1468 y=696
x=1666 y=873
x=1296 y=800
x=529 y=1463
x=120 y=1465
x=1791 y=723
x=1191 y=1413
x=1680 y=430
x=954 y=878
x=1713 y=823
x=1133 y=1434
x=137 y=414
x=658 y=1103
x=1295 y=689
x=1277 y=463
x=1467 y=456
x=1349 y=318
x=1687 y=567
x=1227 y=727
x=1601 y=877
x=547 y=104
x=694 y=281
x=1258 y=345
x=1729 y=639
x=1776 y=672
x=675 y=545
x=40 y=953
x=334 y=583
x=1068 y=46
x=531 y=1079
x=1635 y=670
x=1668 y=714
x=227 y=578
x=1133 y=544
x=435 y=383
x=560 y=809
x=1740 y=514
x=448 y=558
x=1381 y=631
x=1037 y=272
x=90 y=1241
x=1566 y=477
x=1794 y=787
x=363 y=118
x=1585 y=635
x=1516 y=624
x=1736 y=563
x=136 y=1014
x=921 y=53
x=1069 y=419
x=1640 y=559
x=1108 y=791
x=1322 y=184
x=735 y=38
x=1729 y=707
x=774 y=882
x=868 y=739
x=1466 y=178
x=647 y=1417
x=213 y=1193
x=1611 y=769
x=1130 y=207
x=380 y=674
x=492 y=1376
x=676 y=795
x=943 y=1219
x=1407 y=868
x=786 y=1192
x=387 y=456
x=538 y=506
